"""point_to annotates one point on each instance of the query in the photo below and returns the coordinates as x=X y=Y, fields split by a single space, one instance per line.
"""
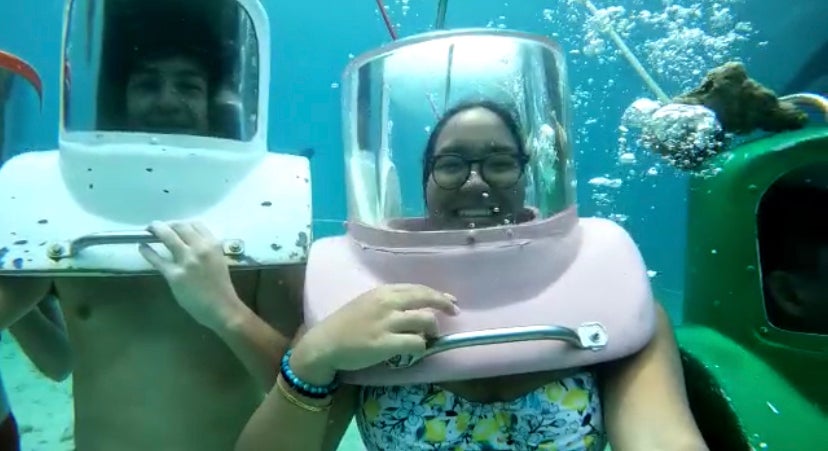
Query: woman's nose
x=475 y=180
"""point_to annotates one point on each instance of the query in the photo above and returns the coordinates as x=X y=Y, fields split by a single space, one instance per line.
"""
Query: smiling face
x=475 y=174
x=168 y=95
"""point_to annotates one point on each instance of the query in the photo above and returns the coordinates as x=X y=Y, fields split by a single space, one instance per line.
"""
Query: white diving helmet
x=163 y=117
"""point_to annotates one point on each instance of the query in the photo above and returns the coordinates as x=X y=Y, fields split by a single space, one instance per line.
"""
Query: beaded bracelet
x=302 y=387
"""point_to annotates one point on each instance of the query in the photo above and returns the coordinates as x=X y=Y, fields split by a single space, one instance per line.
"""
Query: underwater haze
x=676 y=41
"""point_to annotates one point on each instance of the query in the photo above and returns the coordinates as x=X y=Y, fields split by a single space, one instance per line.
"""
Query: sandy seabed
x=43 y=408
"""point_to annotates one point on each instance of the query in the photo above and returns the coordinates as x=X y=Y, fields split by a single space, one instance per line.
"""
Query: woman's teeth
x=475 y=212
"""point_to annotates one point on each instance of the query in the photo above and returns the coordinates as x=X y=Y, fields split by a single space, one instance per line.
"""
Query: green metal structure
x=751 y=384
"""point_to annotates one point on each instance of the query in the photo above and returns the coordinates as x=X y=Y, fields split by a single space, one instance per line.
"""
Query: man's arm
x=645 y=401
x=199 y=278
x=259 y=338
x=19 y=295
x=41 y=334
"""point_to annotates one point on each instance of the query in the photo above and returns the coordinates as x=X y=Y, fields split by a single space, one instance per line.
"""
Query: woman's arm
x=42 y=335
x=287 y=420
x=375 y=326
x=645 y=401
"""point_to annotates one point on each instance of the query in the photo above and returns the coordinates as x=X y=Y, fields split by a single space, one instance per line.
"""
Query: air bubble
x=627 y=158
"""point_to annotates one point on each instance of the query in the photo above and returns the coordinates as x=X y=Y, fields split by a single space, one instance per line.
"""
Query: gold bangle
x=298 y=403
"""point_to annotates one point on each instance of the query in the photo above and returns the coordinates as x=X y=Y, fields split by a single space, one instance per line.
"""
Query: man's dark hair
x=177 y=36
x=141 y=32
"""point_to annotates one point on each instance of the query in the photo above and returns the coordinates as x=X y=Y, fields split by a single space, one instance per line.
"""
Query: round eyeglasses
x=498 y=170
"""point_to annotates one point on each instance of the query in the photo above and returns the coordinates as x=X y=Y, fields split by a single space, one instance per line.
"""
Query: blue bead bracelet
x=302 y=387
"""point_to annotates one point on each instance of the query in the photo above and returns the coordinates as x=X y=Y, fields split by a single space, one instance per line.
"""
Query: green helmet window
x=793 y=245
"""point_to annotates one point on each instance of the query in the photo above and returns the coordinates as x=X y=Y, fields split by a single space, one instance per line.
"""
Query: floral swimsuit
x=564 y=415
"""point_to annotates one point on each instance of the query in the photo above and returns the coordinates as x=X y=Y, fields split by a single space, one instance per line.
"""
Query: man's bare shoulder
x=25 y=284
x=279 y=297
x=286 y=281
x=19 y=294
x=292 y=272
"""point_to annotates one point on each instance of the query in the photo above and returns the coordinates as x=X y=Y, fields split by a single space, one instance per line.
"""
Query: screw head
x=55 y=250
x=235 y=247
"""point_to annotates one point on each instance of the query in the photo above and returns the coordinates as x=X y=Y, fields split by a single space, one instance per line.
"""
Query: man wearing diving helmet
x=168 y=93
x=157 y=365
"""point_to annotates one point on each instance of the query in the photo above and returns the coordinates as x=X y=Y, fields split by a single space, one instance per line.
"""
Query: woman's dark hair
x=505 y=113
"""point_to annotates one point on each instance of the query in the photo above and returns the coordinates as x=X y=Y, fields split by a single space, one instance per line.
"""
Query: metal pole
x=440 y=23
